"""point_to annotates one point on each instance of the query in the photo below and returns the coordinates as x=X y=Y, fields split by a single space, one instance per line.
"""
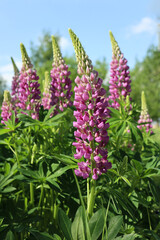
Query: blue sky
x=133 y=23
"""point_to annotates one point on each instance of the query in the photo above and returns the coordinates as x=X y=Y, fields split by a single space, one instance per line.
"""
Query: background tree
x=2 y=87
x=146 y=77
x=102 y=68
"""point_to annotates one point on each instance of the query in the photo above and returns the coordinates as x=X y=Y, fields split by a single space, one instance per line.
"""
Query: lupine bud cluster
x=120 y=80
x=144 y=120
x=29 y=88
x=46 y=99
x=15 y=83
x=61 y=83
x=7 y=107
x=91 y=104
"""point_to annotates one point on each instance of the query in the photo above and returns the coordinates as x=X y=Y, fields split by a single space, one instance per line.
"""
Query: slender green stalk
x=91 y=198
x=52 y=201
x=79 y=190
x=149 y=220
x=41 y=196
x=31 y=194
x=82 y=202
x=15 y=153
x=88 y=190
x=22 y=236
x=15 y=235
x=25 y=204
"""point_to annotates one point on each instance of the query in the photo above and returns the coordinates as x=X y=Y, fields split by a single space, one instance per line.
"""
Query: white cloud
x=146 y=25
x=64 y=43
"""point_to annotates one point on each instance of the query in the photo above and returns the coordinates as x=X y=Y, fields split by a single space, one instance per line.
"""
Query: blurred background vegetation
x=145 y=75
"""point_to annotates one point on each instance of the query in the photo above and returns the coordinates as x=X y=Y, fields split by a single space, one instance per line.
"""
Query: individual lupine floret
x=61 y=83
x=120 y=81
x=91 y=104
x=29 y=88
x=7 y=107
x=46 y=99
x=15 y=83
x=144 y=120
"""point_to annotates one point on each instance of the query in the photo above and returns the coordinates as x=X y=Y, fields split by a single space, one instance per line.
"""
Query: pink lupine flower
x=46 y=99
x=144 y=122
x=29 y=88
x=7 y=107
x=61 y=83
x=91 y=114
x=15 y=83
x=120 y=79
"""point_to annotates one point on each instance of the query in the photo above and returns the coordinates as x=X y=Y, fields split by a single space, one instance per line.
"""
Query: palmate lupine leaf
x=75 y=225
x=47 y=121
x=96 y=223
x=80 y=226
x=6 y=180
x=66 y=159
x=43 y=235
x=41 y=178
x=65 y=224
x=9 y=235
x=114 y=226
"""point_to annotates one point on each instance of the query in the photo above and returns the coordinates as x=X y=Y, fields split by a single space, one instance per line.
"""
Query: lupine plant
x=119 y=87
x=7 y=107
x=61 y=83
x=144 y=119
x=85 y=172
x=29 y=87
x=91 y=114
x=46 y=99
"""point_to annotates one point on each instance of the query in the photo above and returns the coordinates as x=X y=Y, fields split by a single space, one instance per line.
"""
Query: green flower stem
x=79 y=190
x=16 y=236
x=41 y=195
x=82 y=202
x=15 y=153
x=149 y=220
x=55 y=214
x=25 y=204
x=52 y=201
x=88 y=190
x=22 y=236
x=31 y=194
x=91 y=198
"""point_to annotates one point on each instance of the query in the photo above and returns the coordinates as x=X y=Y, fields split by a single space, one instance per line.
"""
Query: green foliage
x=41 y=197
x=102 y=68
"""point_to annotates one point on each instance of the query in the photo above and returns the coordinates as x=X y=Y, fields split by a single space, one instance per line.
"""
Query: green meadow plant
x=87 y=171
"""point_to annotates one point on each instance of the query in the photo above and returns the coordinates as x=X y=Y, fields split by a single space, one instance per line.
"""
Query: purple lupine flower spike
x=120 y=79
x=91 y=114
x=15 y=83
x=61 y=83
x=29 y=88
x=7 y=107
x=144 y=122
x=46 y=99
